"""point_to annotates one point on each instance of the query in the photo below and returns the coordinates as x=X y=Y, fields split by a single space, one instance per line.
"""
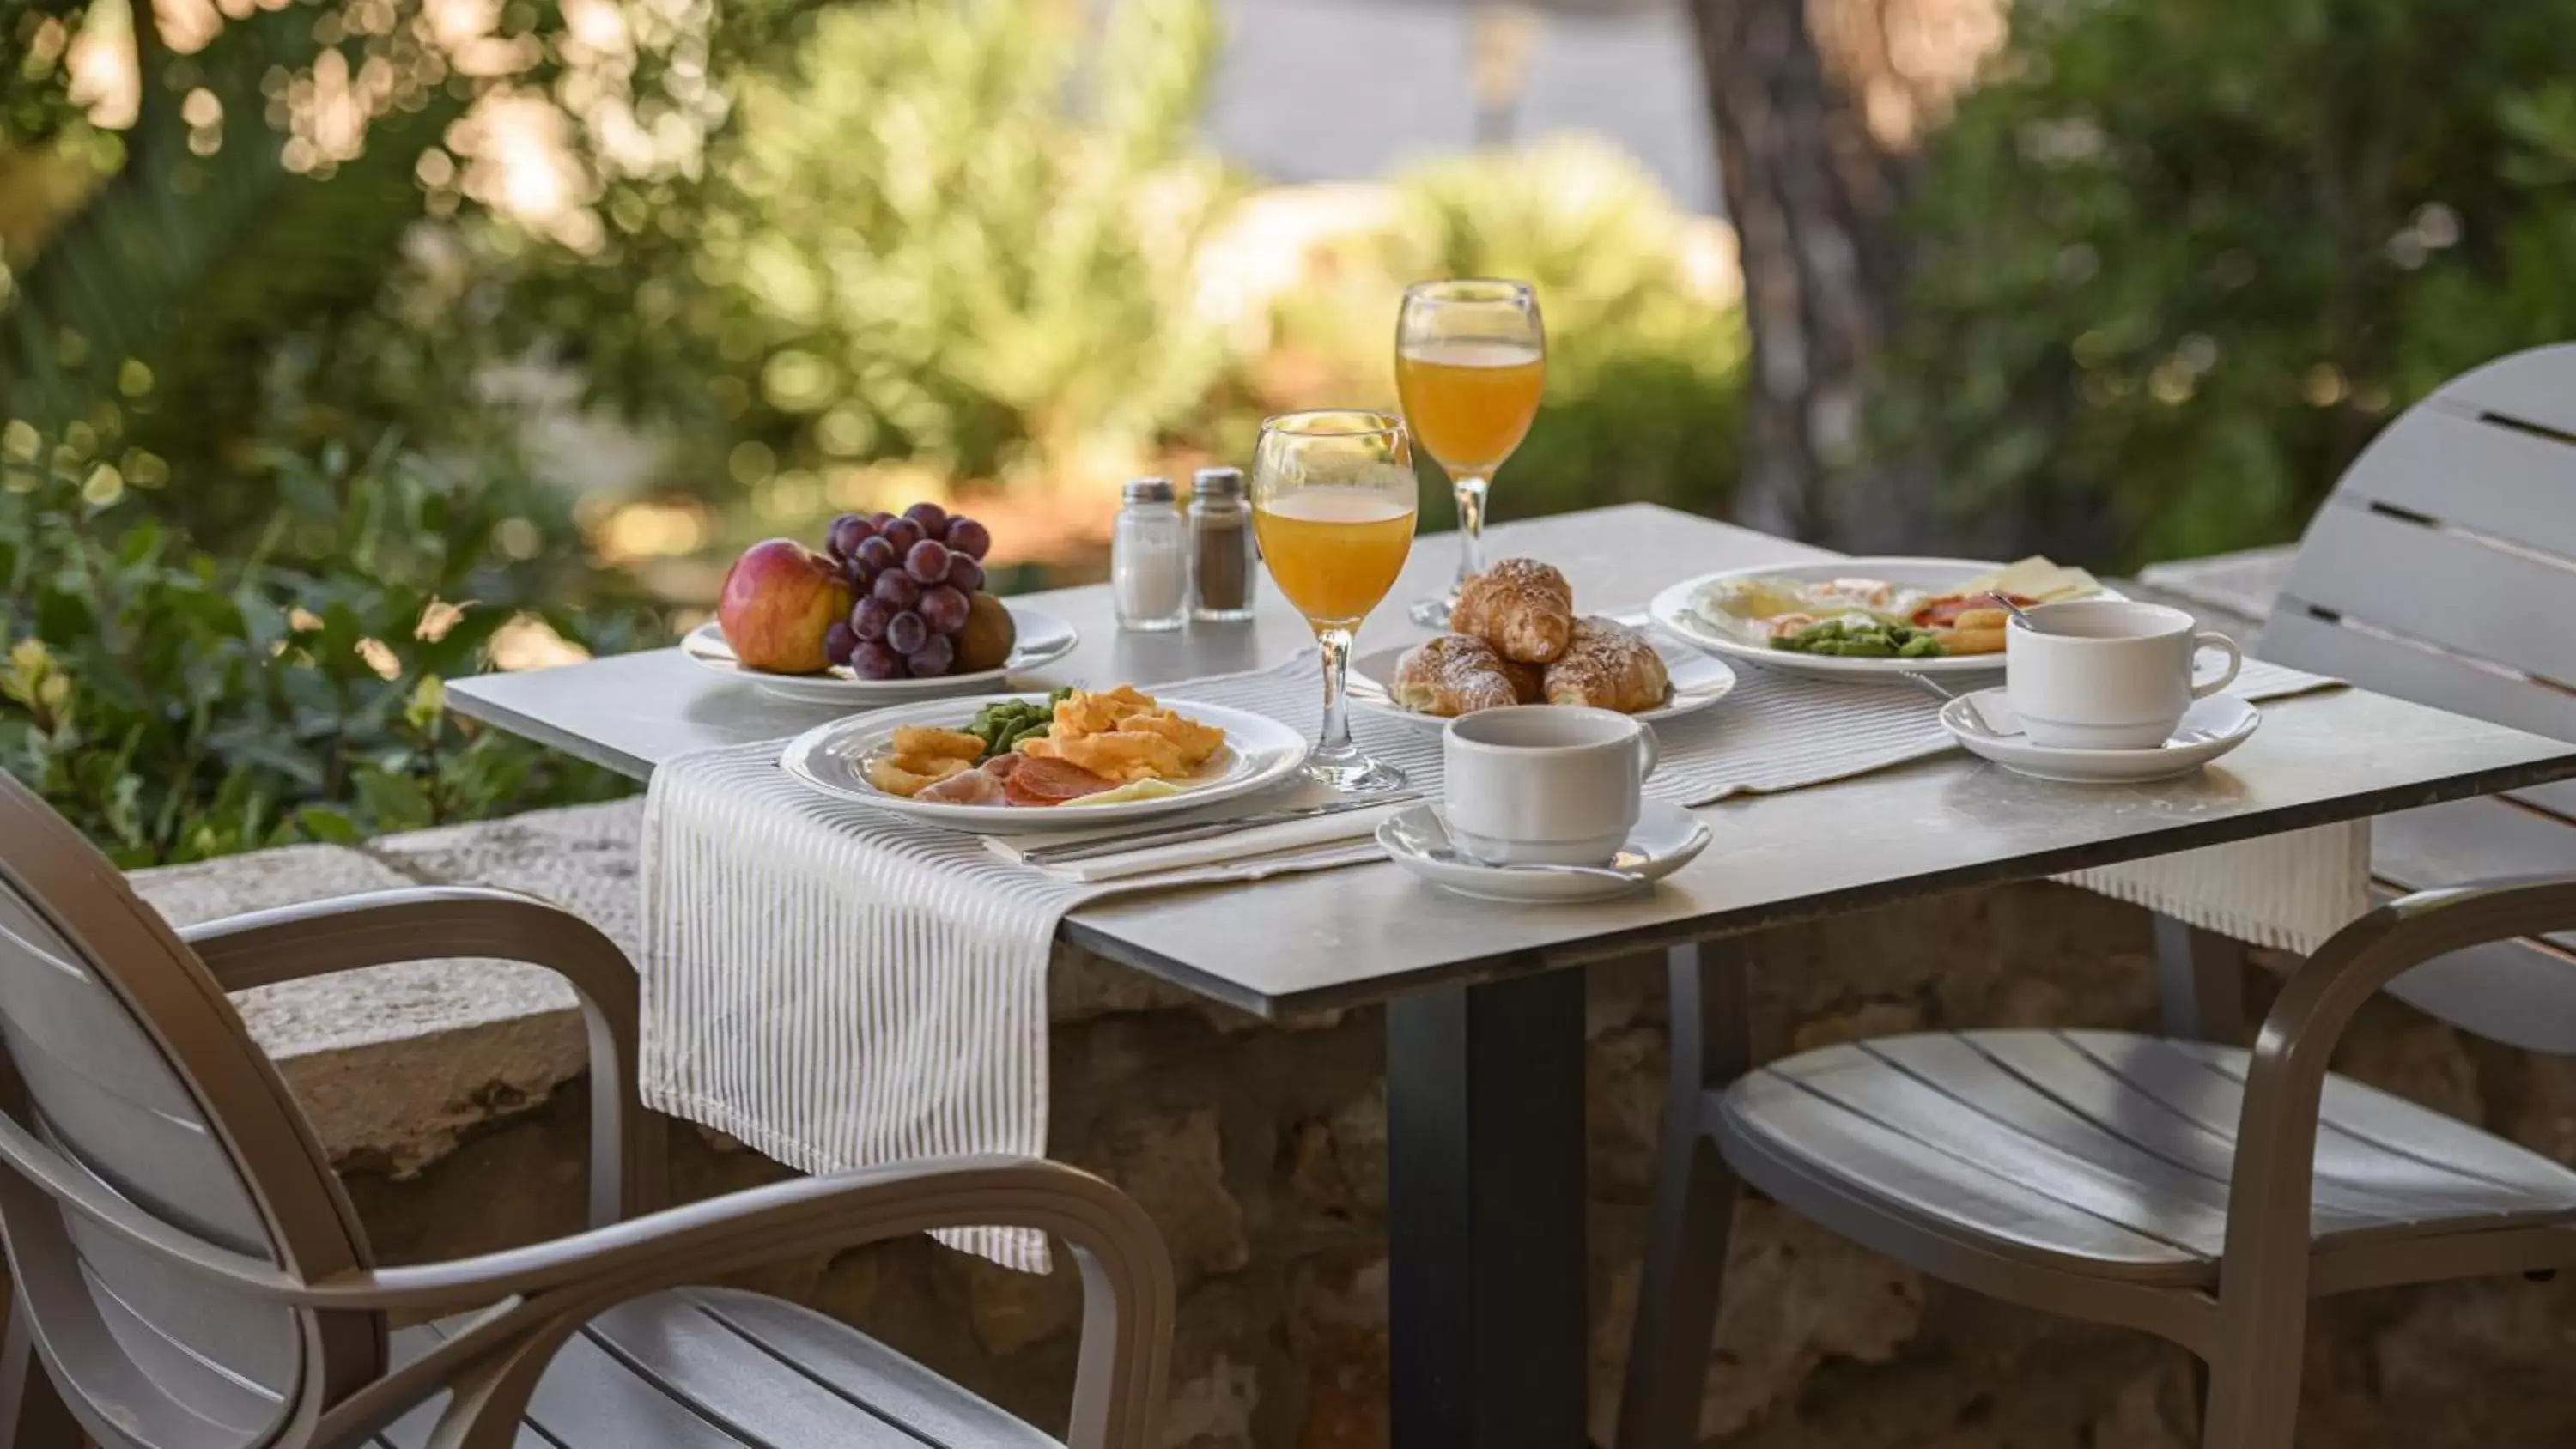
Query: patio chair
x=2201 y=1192
x=2182 y=1184
x=2443 y=571
x=187 y=1273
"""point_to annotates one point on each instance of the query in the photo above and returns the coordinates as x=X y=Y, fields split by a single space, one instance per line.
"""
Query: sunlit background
x=350 y=346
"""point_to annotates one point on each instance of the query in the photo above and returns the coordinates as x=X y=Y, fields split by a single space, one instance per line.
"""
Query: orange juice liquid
x=1469 y=401
x=1334 y=552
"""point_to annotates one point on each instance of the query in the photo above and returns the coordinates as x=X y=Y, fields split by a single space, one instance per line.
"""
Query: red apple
x=779 y=598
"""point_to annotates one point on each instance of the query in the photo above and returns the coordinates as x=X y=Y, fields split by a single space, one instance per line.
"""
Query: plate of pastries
x=1515 y=638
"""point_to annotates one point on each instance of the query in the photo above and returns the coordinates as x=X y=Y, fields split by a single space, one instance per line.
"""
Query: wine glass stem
x=1334 y=741
x=1470 y=493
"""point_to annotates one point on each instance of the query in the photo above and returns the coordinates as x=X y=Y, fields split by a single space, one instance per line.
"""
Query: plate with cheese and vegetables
x=1071 y=760
x=1866 y=618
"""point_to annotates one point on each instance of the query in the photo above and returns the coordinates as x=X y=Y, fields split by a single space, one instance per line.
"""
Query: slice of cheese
x=2035 y=578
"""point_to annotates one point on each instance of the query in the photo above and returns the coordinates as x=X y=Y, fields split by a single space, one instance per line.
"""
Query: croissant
x=1522 y=607
x=1608 y=667
x=1457 y=674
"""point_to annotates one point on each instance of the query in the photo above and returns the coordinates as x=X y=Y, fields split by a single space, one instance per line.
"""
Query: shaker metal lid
x=1217 y=483
x=1149 y=490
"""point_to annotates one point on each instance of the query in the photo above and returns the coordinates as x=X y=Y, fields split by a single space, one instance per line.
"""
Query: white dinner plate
x=1259 y=752
x=1984 y=722
x=1042 y=638
x=1665 y=839
x=1677 y=609
x=1698 y=681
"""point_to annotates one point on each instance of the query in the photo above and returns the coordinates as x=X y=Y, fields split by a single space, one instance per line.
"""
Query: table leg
x=2200 y=983
x=1486 y=1190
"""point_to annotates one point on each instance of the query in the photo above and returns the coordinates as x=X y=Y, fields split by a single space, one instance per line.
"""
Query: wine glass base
x=1356 y=775
x=1433 y=613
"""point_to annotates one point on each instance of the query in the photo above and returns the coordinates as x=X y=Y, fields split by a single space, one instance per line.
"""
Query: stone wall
x=453 y=1096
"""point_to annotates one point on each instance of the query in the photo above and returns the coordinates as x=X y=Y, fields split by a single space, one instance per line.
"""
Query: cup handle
x=2235 y=662
x=1646 y=746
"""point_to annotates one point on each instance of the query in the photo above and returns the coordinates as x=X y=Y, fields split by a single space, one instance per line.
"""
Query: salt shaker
x=1221 y=551
x=1149 y=563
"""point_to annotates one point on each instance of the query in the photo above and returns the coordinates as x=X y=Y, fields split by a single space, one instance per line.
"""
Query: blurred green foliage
x=2177 y=260
x=256 y=507
x=924 y=237
x=177 y=703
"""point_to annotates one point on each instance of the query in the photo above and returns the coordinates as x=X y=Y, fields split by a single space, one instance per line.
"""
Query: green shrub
x=920 y=241
x=177 y=705
x=2177 y=260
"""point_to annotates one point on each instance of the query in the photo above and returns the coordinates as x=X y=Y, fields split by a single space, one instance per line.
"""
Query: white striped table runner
x=841 y=988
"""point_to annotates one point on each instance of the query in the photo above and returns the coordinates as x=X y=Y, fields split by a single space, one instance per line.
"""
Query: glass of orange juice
x=1470 y=359
x=1333 y=502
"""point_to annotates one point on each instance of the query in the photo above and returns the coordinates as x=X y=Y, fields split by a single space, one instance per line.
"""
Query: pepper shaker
x=1222 y=568
x=1149 y=564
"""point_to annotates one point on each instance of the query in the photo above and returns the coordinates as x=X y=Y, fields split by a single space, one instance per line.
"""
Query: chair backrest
x=2443 y=571
x=2443 y=568
x=133 y=1072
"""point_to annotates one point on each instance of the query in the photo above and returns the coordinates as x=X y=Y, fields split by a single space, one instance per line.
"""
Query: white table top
x=1335 y=938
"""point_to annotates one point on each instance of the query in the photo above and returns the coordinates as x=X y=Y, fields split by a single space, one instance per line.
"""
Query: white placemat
x=838 y=987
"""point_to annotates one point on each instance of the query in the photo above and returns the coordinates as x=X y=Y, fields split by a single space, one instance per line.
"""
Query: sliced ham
x=1943 y=613
x=1037 y=781
x=972 y=787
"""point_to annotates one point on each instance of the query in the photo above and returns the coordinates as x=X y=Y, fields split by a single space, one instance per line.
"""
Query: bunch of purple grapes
x=912 y=575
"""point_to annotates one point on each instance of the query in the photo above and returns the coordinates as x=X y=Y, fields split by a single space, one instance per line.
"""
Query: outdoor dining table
x=1484 y=1003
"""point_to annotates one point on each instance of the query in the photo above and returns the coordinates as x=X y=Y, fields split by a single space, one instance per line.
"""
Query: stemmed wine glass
x=1470 y=359
x=1333 y=503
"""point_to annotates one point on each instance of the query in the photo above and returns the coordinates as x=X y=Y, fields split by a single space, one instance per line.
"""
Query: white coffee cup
x=1544 y=783
x=2108 y=674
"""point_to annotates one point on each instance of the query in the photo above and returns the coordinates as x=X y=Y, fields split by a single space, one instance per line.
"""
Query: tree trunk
x=1817 y=104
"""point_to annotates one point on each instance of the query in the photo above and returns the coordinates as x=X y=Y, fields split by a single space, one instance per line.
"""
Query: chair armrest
x=292 y=943
x=554 y=1288
x=2271 y=1184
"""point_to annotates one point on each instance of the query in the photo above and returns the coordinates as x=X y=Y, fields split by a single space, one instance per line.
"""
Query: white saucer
x=1665 y=839
x=1984 y=722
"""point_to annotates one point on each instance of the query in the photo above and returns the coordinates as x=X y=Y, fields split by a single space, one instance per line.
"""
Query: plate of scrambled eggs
x=1071 y=760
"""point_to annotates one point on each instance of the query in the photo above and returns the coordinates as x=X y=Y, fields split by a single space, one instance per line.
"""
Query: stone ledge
x=392 y=1063
x=396 y=1063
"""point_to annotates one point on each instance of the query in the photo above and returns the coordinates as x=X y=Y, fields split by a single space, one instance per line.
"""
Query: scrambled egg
x=1122 y=734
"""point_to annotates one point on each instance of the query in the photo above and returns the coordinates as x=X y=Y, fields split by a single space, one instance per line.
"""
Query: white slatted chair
x=2443 y=571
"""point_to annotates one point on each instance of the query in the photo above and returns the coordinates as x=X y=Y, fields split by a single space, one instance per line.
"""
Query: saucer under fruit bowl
x=1042 y=638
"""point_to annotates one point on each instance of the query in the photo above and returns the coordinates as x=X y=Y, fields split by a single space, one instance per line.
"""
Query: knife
x=1180 y=835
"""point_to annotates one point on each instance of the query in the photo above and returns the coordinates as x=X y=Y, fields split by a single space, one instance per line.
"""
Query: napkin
x=1313 y=843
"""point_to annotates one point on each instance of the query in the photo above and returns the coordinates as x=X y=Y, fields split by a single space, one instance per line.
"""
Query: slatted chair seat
x=2099 y=1151
x=715 y=1368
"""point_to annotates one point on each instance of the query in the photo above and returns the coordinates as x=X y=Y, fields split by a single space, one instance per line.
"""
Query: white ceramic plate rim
x=1489 y=883
x=2056 y=762
x=1266 y=752
x=1673 y=609
x=1368 y=693
x=705 y=645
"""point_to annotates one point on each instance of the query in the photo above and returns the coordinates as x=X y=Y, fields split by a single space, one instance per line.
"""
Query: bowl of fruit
x=893 y=607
